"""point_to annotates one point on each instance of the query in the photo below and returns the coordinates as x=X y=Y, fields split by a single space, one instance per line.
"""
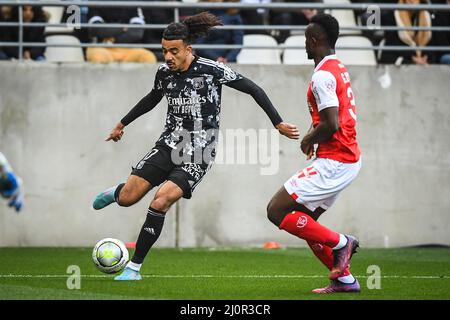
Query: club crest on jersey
x=198 y=83
x=302 y=221
x=330 y=85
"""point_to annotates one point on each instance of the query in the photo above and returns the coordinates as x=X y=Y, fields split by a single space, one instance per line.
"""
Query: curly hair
x=192 y=27
x=329 y=25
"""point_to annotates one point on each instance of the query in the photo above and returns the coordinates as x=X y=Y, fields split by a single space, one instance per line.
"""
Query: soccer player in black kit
x=186 y=149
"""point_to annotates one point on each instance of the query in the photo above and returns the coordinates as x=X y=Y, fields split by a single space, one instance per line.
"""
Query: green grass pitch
x=238 y=274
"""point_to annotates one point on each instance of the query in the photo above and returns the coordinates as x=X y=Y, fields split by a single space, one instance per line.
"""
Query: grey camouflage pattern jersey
x=194 y=105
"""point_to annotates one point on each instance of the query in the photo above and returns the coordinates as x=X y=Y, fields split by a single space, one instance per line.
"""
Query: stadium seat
x=63 y=54
x=355 y=56
x=259 y=56
x=296 y=56
x=56 y=14
x=346 y=18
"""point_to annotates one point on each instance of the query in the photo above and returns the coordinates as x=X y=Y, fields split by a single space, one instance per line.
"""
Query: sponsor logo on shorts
x=302 y=221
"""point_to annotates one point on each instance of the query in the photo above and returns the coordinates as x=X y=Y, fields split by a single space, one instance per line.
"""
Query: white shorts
x=320 y=184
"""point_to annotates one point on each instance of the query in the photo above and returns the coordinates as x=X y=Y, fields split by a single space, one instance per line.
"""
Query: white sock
x=134 y=266
x=342 y=242
x=347 y=279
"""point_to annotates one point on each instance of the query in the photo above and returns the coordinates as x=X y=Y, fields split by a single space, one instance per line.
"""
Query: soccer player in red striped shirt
x=296 y=207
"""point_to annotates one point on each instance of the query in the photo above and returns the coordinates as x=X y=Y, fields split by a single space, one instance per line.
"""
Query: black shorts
x=157 y=166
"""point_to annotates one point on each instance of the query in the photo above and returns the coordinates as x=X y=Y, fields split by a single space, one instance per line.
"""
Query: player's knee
x=126 y=198
x=161 y=203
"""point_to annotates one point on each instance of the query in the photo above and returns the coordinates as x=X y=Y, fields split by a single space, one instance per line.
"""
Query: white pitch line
x=55 y=276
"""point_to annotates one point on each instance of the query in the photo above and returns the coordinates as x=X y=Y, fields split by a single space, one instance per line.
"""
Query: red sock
x=303 y=226
x=325 y=255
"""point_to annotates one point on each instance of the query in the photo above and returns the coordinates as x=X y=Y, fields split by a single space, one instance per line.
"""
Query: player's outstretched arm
x=288 y=130
x=247 y=86
x=145 y=105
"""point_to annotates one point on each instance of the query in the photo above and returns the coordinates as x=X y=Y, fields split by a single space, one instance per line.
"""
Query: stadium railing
x=177 y=6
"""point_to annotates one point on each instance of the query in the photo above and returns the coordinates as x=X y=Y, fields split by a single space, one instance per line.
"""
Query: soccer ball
x=110 y=255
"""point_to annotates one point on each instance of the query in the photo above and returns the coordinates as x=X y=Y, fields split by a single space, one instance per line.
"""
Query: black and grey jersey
x=194 y=102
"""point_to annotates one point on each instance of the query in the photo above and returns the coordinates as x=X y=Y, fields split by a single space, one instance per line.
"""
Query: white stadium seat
x=296 y=56
x=346 y=18
x=63 y=54
x=355 y=56
x=56 y=14
x=259 y=56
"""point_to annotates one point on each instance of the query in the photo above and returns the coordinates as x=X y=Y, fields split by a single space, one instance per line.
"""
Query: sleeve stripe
x=211 y=63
